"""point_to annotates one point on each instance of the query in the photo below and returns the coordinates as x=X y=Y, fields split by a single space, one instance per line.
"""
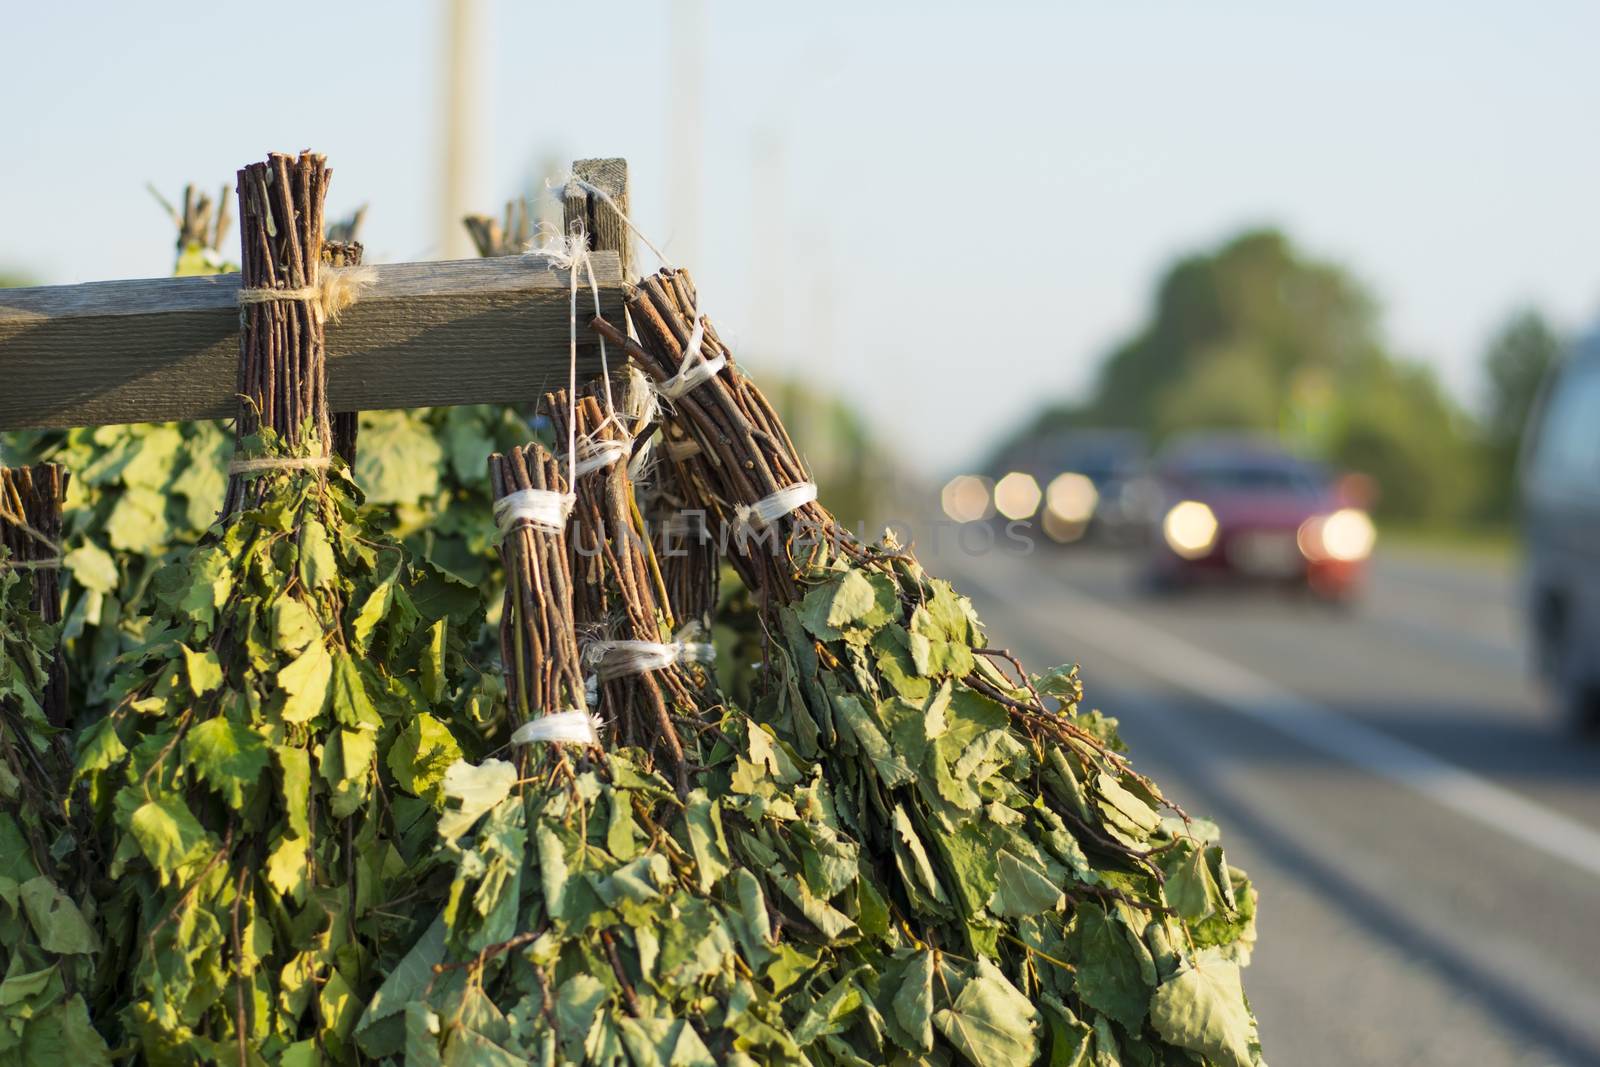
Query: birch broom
x=1060 y=908
x=48 y=944
x=267 y=780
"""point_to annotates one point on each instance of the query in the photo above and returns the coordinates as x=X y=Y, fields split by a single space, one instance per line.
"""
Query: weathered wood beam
x=424 y=334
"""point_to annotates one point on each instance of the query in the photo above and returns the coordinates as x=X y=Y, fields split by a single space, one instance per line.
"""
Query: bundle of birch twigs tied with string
x=898 y=845
x=314 y=826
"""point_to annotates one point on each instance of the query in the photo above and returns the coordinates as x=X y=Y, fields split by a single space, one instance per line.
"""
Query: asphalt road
x=1424 y=836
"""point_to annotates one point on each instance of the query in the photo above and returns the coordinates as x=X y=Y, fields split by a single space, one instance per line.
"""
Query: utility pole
x=460 y=119
x=687 y=61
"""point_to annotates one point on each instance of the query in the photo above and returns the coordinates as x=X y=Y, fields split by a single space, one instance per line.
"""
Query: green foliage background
x=1258 y=336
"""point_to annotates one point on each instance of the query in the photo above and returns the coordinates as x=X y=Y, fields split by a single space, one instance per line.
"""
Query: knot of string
x=693 y=368
x=571 y=253
x=615 y=659
x=771 y=508
x=336 y=289
x=560 y=727
x=543 y=509
x=598 y=455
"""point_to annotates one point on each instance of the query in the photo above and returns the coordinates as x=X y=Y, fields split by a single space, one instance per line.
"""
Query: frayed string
x=560 y=727
x=337 y=288
x=771 y=508
x=614 y=659
x=544 y=509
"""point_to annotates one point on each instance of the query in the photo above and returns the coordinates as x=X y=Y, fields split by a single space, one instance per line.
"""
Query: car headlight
x=1016 y=496
x=1190 y=529
x=1071 y=498
x=965 y=498
x=1347 y=536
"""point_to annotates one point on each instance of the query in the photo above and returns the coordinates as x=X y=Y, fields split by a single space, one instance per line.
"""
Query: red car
x=1248 y=510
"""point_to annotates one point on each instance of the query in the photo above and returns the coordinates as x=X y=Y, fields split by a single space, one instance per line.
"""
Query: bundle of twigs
x=202 y=223
x=1007 y=829
x=509 y=236
x=544 y=672
x=283 y=376
x=742 y=452
x=30 y=532
x=345 y=253
x=619 y=592
x=681 y=530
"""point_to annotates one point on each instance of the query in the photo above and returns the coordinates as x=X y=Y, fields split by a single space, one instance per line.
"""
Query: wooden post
x=592 y=215
x=423 y=334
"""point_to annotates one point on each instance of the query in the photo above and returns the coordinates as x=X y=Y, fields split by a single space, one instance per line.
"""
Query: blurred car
x=1560 y=489
x=1242 y=509
x=1076 y=484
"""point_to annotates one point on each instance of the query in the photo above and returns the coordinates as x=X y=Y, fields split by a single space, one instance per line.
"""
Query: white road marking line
x=1235 y=688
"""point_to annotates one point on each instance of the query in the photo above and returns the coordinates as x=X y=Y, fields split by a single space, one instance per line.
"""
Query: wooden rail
x=424 y=334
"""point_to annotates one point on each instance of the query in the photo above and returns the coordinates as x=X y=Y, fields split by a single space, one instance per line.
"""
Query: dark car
x=1561 y=521
x=1243 y=509
x=1081 y=484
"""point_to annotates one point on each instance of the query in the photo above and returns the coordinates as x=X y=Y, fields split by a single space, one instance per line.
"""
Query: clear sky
x=948 y=211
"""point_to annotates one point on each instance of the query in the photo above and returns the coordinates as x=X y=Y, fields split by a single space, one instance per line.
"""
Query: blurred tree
x=1255 y=302
x=1258 y=336
x=1400 y=428
x=1518 y=358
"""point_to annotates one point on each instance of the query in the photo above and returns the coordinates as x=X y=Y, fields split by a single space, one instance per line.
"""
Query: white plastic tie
x=561 y=727
x=544 y=509
x=769 y=509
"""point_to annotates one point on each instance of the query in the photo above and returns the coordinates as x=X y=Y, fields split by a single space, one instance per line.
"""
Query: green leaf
x=374 y=608
x=168 y=834
x=578 y=1003
x=293 y=625
x=1202 y=1009
x=399 y=459
x=665 y=1042
x=409 y=978
x=351 y=705
x=1024 y=889
x=1109 y=978
x=295 y=763
x=203 y=668
x=703 y=817
x=431 y=670
x=1190 y=886
x=891 y=768
x=475 y=790
x=99 y=746
x=831 y=1012
x=852 y=598
x=306 y=681
x=421 y=755
x=92 y=567
x=287 y=866
x=229 y=757
x=56 y=920
x=913 y=1001
x=991 y=1023
x=317 y=564
x=138 y=522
